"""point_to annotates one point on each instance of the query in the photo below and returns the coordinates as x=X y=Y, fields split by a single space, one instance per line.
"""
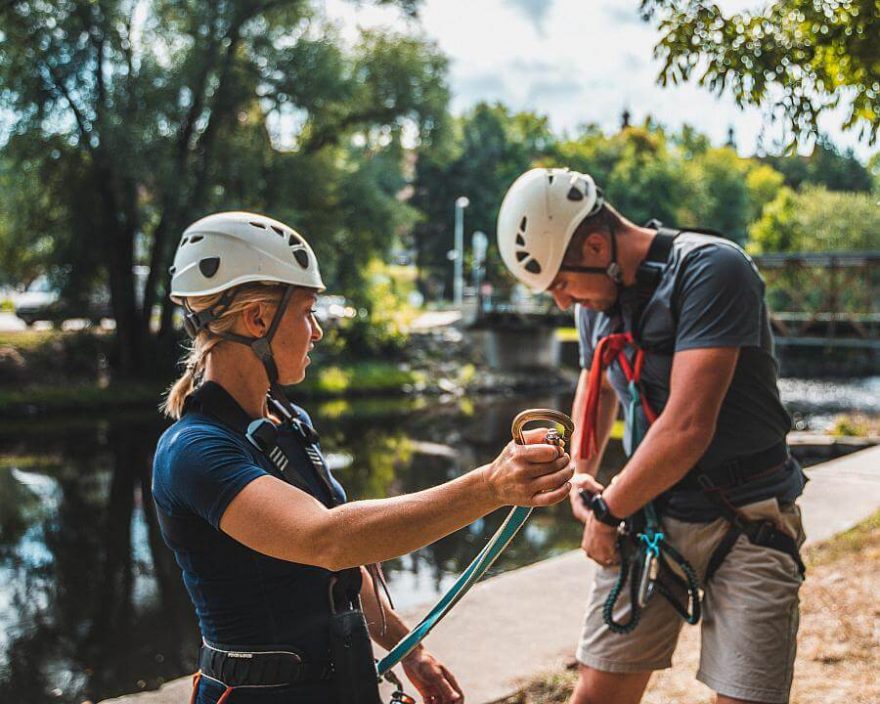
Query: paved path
x=519 y=624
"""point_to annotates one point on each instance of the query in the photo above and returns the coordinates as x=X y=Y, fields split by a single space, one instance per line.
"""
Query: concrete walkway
x=519 y=624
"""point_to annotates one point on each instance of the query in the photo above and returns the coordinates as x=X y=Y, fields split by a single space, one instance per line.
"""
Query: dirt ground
x=838 y=660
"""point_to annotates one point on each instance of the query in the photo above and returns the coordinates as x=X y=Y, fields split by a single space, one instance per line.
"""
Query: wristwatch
x=601 y=511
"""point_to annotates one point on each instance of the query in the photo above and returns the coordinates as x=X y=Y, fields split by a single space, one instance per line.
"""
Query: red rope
x=610 y=348
x=196 y=678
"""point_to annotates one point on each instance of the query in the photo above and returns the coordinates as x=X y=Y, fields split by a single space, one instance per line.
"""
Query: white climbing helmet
x=539 y=215
x=224 y=250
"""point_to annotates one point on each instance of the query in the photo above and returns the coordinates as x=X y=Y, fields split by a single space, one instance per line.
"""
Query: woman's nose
x=317 y=330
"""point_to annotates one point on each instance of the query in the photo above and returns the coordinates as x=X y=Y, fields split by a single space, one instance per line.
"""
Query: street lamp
x=479 y=246
x=458 y=272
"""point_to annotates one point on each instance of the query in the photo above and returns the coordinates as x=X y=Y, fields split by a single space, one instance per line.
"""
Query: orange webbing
x=610 y=348
x=196 y=677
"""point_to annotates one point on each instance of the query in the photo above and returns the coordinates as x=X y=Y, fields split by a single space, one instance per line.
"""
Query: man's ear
x=595 y=246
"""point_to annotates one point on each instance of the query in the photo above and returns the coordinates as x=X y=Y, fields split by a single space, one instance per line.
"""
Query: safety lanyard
x=644 y=527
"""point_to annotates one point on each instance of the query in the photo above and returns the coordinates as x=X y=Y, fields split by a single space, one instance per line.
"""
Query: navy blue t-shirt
x=241 y=597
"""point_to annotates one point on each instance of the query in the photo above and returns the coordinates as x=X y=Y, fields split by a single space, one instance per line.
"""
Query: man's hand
x=579 y=482
x=600 y=542
x=434 y=682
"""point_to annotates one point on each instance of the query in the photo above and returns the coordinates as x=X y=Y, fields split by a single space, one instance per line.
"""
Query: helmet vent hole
x=277 y=230
x=183 y=241
x=533 y=267
x=520 y=256
x=574 y=193
x=257 y=224
x=208 y=266
x=293 y=240
x=172 y=269
x=520 y=241
x=523 y=223
x=550 y=179
x=196 y=238
x=302 y=258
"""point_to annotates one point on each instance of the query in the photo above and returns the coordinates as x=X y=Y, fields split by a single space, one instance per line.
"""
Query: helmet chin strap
x=261 y=346
x=612 y=270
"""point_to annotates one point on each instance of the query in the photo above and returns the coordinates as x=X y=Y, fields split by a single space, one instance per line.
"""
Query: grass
x=856 y=425
x=856 y=540
x=28 y=340
x=357 y=379
x=79 y=397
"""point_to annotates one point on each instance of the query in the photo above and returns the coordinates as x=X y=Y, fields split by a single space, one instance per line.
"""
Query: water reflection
x=91 y=601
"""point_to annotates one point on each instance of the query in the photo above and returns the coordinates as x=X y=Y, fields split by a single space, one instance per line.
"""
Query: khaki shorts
x=750 y=613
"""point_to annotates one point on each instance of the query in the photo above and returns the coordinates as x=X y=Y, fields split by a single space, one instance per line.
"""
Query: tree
x=151 y=114
x=797 y=58
x=817 y=220
x=483 y=153
x=825 y=166
x=639 y=173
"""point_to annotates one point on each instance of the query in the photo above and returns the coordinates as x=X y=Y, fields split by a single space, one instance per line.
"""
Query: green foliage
x=817 y=220
x=798 y=58
x=480 y=155
x=677 y=178
x=856 y=425
x=825 y=166
x=131 y=119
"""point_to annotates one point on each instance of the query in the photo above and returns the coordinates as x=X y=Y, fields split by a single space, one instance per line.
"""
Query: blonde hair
x=197 y=355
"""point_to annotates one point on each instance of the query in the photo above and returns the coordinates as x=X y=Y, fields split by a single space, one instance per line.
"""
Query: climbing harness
x=648 y=561
x=647 y=558
x=490 y=552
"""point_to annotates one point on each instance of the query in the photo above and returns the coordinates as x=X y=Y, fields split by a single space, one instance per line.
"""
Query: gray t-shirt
x=709 y=295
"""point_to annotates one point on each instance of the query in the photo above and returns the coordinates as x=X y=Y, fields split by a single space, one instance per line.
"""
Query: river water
x=91 y=601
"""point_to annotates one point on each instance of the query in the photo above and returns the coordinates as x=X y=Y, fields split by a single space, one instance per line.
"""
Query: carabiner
x=553 y=435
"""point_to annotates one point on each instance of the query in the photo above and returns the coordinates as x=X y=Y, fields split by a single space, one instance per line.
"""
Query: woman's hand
x=434 y=682
x=534 y=474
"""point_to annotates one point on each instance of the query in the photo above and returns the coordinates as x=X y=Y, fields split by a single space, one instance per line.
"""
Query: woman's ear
x=254 y=320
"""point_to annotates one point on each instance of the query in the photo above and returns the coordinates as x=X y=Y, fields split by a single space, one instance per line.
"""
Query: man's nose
x=563 y=300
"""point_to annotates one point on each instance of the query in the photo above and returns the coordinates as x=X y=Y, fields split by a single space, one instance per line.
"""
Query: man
x=694 y=307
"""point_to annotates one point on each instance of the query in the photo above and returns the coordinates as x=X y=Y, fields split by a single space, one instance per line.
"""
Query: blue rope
x=478 y=567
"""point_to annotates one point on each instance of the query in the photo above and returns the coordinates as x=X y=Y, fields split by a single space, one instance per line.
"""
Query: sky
x=576 y=61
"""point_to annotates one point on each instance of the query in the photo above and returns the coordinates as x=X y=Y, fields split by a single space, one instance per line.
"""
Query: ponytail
x=197 y=356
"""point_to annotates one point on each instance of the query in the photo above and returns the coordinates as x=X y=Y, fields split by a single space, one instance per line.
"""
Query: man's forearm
x=666 y=454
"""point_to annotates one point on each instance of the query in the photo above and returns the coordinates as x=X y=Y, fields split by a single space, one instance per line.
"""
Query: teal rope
x=478 y=567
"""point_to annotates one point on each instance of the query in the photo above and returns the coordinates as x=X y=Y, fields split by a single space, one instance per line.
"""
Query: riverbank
x=51 y=372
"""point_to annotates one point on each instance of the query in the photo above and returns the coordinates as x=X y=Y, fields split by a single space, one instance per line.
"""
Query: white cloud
x=576 y=61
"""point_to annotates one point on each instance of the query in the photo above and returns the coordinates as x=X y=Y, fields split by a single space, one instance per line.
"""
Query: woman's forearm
x=376 y=530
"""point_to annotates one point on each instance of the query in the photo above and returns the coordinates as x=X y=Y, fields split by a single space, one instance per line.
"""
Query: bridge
x=818 y=301
x=824 y=299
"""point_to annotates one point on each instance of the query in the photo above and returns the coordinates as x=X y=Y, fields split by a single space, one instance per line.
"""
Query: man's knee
x=598 y=687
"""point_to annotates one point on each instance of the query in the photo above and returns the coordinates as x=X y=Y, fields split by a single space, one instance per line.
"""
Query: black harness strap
x=761 y=532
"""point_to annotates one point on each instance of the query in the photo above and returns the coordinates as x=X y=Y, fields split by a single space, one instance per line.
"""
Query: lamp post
x=479 y=245
x=458 y=271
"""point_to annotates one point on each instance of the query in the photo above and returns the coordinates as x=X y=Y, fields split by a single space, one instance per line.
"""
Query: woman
x=270 y=551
